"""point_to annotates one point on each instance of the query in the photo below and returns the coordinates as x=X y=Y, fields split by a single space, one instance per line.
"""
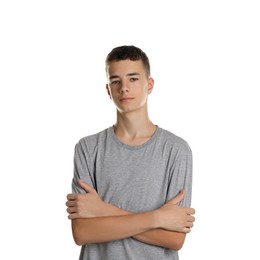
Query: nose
x=124 y=88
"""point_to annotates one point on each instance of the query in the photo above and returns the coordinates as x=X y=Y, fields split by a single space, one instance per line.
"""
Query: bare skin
x=95 y=221
x=169 y=218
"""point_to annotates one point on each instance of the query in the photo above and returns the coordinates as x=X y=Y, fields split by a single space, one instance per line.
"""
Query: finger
x=70 y=203
x=189 y=225
x=86 y=187
x=71 y=210
x=191 y=218
x=178 y=197
x=186 y=230
x=72 y=216
x=72 y=196
x=190 y=211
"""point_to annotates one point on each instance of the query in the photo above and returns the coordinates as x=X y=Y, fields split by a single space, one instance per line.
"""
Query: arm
x=114 y=223
x=164 y=238
x=104 y=229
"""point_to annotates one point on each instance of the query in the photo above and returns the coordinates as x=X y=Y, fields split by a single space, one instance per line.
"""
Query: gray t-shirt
x=134 y=178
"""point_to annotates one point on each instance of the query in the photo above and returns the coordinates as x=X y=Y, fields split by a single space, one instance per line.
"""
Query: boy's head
x=128 y=52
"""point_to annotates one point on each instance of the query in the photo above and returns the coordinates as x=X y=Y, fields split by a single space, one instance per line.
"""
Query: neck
x=134 y=129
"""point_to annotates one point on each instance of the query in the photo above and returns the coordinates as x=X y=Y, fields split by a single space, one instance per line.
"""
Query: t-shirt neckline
x=133 y=147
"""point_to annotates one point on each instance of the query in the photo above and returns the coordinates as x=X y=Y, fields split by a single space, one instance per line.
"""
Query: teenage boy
x=132 y=181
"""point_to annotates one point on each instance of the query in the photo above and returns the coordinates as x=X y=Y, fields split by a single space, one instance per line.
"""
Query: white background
x=205 y=60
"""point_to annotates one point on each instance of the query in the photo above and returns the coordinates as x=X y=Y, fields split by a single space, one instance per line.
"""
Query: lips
x=126 y=99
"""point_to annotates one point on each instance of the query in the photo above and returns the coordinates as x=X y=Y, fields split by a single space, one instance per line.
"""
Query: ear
x=108 y=92
x=150 y=85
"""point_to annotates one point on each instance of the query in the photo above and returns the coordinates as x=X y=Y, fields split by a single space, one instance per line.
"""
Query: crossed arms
x=96 y=221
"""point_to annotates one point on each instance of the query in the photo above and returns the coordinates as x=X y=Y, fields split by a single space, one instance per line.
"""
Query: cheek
x=113 y=92
x=143 y=96
x=144 y=92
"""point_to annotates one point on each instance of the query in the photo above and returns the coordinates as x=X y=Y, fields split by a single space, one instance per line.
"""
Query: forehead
x=124 y=67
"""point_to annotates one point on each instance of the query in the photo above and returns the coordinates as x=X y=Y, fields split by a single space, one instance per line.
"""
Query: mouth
x=125 y=99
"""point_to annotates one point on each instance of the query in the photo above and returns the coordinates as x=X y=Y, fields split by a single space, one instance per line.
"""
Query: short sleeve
x=181 y=176
x=82 y=168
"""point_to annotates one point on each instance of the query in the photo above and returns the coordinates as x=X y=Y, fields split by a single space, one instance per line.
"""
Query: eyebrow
x=128 y=75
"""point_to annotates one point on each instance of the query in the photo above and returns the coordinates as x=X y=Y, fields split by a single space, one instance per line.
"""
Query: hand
x=85 y=205
x=175 y=218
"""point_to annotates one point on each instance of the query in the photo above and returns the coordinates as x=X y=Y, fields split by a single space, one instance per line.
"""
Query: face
x=128 y=85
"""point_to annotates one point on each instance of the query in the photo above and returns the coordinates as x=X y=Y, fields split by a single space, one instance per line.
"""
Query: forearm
x=105 y=229
x=96 y=221
x=164 y=238
x=158 y=237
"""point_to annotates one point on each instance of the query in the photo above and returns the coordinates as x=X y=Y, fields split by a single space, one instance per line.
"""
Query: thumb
x=178 y=197
x=86 y=187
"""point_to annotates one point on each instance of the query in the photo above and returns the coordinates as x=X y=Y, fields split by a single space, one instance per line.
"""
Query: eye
x=134 y=79
x=114 y=82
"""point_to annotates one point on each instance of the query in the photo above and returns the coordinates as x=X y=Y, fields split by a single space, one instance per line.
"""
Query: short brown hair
x=128 y=52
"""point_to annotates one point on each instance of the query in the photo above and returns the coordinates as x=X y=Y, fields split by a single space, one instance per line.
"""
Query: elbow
x=77 y=233
x=79 y=242
x=177 y=246
x=77 y=237
x=177 y=243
